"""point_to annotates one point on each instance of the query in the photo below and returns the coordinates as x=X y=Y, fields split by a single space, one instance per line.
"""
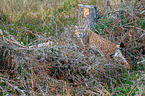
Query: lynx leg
x=121 y=58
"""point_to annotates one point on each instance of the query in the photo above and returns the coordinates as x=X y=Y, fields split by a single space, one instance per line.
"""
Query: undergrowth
x=61 y=68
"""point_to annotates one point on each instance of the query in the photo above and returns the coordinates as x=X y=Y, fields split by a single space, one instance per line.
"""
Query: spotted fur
x=105 y=47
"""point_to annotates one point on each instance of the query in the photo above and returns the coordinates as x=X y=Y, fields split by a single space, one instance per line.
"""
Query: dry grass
x=49 y=69
x=61 y=68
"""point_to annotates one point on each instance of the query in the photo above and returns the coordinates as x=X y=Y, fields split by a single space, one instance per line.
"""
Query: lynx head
x=80 y=31
x=79 y=34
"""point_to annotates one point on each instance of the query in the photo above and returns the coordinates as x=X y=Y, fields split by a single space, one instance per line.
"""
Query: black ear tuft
x=122 y=44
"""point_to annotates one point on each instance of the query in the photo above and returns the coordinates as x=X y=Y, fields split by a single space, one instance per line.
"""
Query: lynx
x=106 y=48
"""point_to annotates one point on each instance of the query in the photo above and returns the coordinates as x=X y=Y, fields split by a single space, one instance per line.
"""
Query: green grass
x=127 y=82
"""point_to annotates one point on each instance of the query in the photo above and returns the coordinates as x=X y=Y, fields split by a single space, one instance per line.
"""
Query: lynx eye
x=79 y=34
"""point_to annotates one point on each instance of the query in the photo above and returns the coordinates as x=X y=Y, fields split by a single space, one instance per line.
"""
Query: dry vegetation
x=61 y=68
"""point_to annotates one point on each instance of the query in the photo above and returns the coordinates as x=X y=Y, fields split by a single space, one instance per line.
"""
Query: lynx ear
x=122 y=44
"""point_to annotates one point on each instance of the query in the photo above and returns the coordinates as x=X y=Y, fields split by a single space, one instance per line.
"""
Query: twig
x=135 y=85
x=140 y=61
x=11 y=38
x=142 y=12
x=136 y=28
x=14 y=87
x=15 y=42
x=8 y=80
x=142 y=35
x=130 y=23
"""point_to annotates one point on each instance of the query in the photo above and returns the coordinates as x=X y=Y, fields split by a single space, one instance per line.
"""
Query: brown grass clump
x=49 y=69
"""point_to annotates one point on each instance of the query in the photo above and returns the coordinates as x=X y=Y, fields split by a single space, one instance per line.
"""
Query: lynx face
x=105 y=47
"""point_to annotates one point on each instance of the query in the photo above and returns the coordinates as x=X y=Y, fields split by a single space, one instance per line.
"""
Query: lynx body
x=105 y=47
